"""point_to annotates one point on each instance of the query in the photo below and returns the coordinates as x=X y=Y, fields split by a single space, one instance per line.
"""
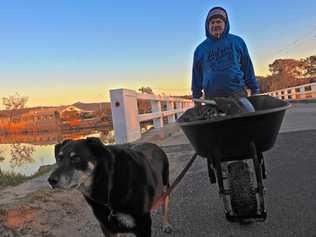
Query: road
x=301 y=116
x=291 y=186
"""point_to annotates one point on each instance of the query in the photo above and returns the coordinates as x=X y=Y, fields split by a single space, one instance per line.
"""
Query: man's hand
x=255 y=93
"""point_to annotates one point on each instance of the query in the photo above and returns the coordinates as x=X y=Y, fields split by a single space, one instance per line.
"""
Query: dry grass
x=13 y=179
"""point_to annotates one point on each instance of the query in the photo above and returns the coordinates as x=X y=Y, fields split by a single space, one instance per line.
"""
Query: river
x=26 y=153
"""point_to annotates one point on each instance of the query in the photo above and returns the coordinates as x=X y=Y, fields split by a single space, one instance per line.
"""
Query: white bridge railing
x=306 y=91
x=126 y=117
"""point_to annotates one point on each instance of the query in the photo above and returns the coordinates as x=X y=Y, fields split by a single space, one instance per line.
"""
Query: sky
x=65 y=51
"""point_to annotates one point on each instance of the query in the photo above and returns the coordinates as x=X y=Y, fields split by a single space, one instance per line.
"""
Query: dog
x=121 y=183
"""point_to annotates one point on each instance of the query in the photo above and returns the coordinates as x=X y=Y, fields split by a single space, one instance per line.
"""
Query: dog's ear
x=59 y=146
x=95 y=145
x=57 y=149
x=94 y=141
x=98 y=149
x=65 y=142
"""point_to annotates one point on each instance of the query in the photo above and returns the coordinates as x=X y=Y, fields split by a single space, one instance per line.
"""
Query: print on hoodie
x=221 y=59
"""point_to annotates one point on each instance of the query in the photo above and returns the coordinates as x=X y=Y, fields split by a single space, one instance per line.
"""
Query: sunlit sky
x=61 y=52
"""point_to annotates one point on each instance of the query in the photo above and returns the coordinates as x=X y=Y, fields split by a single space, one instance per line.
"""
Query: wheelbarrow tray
x=228 y=137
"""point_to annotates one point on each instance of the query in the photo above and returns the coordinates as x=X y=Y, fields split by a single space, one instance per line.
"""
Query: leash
x=175 y=183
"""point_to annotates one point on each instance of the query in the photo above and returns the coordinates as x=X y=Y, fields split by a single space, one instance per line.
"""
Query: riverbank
x=13 y=179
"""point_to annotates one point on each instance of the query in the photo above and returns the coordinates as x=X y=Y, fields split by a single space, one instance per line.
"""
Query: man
x=222 y=66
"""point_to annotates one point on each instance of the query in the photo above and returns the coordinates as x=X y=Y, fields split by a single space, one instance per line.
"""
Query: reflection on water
x=26 y=153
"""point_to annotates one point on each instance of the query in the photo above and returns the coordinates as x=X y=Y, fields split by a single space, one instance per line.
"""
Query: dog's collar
x=107 y=205
x=88 y=196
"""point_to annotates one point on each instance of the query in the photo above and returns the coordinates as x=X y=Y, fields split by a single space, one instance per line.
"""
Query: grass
x=13 y=179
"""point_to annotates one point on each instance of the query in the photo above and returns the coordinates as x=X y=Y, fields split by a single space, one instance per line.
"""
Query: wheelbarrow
x=229 y=143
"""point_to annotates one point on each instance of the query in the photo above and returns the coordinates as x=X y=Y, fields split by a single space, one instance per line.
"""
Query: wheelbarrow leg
x=220 y=182
x=263 y=167
x=210 y=169
x=258 y=171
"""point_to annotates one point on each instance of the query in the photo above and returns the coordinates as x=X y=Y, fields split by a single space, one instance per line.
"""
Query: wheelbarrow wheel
x=242 y=191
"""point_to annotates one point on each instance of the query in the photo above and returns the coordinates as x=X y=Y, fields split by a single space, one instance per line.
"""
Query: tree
x=1 y=157
x=143 y=105
x=264 y=84
x=310 y=67
x=287 y=72
x=21 y=154
x=290 y=67
x=14 y=102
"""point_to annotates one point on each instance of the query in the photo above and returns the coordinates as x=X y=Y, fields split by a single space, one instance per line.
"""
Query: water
x=26 y=153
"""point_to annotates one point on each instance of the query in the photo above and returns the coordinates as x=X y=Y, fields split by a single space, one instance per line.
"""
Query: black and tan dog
x=120 y=182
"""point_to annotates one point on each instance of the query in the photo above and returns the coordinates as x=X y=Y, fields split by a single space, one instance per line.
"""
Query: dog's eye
x=75 y=159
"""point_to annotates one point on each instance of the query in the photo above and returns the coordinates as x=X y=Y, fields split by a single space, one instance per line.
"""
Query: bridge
x=126 y=118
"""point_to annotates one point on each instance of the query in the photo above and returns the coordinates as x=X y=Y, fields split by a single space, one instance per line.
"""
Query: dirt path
x=48 y=213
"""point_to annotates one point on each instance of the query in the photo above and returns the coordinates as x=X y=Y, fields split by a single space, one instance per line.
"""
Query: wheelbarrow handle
x=212 y=102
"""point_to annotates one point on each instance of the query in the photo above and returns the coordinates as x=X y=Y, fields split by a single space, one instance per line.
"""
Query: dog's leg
x=107 y=233
x=166 y=227
x=143 y=225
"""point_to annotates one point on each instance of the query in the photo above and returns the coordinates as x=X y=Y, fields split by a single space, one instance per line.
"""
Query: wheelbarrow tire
x=242 y=191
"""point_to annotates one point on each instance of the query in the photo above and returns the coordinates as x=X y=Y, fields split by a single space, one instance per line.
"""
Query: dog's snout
x=53 y=180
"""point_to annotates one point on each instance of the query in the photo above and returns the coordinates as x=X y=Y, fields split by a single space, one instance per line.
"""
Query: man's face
x=216 y=27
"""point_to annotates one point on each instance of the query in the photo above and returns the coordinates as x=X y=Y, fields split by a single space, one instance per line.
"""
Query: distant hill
x=5 y=113
x=97 y=107
x=102 y=106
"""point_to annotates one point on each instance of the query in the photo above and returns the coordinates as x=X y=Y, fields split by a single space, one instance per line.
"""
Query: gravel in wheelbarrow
x=225 y=131
x=223 y=107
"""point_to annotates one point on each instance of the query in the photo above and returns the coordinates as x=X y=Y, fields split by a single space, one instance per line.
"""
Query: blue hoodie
x=222 y=67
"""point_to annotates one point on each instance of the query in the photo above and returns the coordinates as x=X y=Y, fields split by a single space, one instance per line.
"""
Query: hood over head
x=220 y=13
